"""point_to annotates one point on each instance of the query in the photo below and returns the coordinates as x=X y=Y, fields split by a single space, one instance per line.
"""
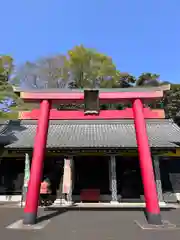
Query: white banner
x=67 y=177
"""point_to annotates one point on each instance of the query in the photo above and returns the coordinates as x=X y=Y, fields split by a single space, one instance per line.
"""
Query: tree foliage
x=90 y=69
x=7 y=96
x=46 y=72
x=148 y=79
x=6 y=68
x=80 y=68
x=171 y=102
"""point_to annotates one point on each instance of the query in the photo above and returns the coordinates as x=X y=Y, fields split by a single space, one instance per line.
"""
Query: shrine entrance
x=129 y=183
x=91 y=173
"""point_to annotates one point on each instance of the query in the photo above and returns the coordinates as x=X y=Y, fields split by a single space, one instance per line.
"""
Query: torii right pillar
x=146 y=166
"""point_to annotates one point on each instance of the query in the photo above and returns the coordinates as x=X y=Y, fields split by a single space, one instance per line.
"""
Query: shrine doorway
x=91 y=173
x=129 y=183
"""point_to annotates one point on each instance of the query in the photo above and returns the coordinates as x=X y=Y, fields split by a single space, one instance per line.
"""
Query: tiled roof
x=88 y=134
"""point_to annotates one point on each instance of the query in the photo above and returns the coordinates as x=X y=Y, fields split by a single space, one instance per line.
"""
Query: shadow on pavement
x=61 y=210
x=51 y=215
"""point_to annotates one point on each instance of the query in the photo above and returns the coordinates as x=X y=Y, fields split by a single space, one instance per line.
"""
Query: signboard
x=91 y=99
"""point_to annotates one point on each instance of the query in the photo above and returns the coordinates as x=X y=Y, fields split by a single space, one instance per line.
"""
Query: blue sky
x=140 y=35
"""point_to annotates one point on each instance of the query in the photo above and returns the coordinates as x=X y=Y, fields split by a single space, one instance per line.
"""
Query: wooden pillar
x=158 y=178
x=146 y=166
x=32 y=198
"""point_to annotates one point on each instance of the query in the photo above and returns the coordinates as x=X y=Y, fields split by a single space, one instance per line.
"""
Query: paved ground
x=87 y=225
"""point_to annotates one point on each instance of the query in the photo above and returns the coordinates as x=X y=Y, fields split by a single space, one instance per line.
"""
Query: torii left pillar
x=32 y=198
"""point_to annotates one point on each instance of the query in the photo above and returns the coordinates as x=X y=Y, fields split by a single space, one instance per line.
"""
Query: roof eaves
x=130 y=89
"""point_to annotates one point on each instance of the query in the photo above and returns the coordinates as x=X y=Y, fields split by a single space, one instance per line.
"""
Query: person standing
x=45 y=192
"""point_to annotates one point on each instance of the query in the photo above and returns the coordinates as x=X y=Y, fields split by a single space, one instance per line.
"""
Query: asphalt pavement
x=86 y=224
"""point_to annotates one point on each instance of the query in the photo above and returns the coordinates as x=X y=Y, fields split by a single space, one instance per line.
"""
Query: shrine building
x=92 y=155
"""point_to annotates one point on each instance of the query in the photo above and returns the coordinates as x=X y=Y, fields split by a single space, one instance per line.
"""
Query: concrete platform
x=112 y=205
x=19 y=225
x=65 y=204
x=166 y=225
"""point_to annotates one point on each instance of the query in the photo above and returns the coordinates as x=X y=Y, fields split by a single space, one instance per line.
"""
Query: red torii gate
x=138 y=112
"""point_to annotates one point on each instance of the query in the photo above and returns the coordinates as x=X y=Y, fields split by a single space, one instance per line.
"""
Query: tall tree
x=46 y=72
x=6 y=68
x=28 y=75
x=53 y=71
x=88 y=68
x=81 y=68
x=148 y=79
x=7 y=96
x=126 y=80
x=171 y=102
x=152 y=80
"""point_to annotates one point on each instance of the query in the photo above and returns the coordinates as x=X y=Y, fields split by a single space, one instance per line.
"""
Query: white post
x=67 y=179
x=72 y=179
x=114 y=197
x=26 y=179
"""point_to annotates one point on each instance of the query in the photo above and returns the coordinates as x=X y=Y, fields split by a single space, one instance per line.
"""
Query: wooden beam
x=104 y=97
x=104 y=114
x=164 y=87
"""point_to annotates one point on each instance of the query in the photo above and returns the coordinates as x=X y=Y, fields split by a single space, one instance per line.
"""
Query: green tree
x=171 y=102
x=80 y=68
x=126 y=80
x=6 y=68
x=148 y=79
x=6 y=81
x=153 y=80
x=90 y=69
